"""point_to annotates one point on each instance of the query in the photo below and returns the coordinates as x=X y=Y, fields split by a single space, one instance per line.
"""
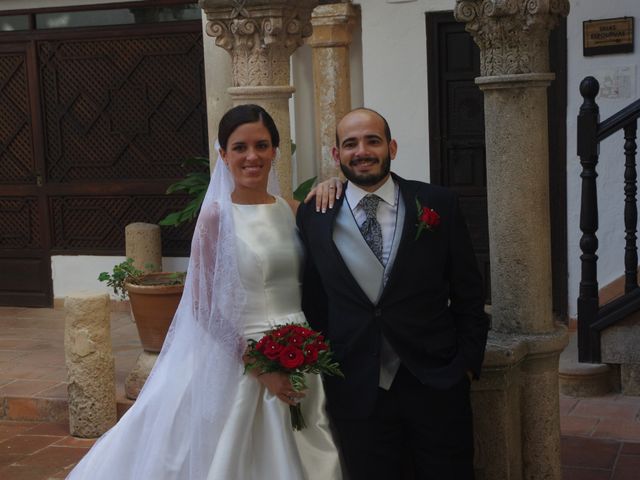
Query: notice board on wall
x=606 y=36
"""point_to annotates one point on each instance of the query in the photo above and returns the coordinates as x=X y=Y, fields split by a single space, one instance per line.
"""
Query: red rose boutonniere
x=428 y=219
x=295 y=350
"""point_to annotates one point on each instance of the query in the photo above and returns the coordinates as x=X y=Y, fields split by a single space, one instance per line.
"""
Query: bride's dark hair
x=242 y=114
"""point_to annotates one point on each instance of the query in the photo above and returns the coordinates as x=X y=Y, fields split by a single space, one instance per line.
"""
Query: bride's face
x=249 y=155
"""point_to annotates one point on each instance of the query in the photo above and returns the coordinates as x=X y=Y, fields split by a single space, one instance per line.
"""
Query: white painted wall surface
x=72 y=273
x=611 y=163
x=28 y=4
x=394 y=63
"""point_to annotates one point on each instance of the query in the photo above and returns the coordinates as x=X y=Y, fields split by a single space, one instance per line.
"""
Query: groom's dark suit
x=431 y=309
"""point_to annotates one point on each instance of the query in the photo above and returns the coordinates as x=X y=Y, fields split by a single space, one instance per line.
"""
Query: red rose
x=272 y=349
x=296 y=339
x=310 y=354
x=320 y=345
x=304 y=332
x=429 y=217
x=261 y=344
x=291 y=357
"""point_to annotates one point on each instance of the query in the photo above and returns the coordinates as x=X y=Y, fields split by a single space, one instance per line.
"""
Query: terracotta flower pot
x=153 y=304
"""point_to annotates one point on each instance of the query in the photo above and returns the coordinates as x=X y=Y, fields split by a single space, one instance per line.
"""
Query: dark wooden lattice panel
x=16 y=155
x=127 y=108
x=97 y=223
x=19 y=223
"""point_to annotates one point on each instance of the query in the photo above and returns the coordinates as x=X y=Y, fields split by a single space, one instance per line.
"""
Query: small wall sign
x=611 y=35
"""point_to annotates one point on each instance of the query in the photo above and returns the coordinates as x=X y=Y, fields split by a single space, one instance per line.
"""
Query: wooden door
x=456 y=120
x=25 y=266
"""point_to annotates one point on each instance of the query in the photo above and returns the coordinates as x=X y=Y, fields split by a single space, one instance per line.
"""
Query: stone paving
x=600 y=436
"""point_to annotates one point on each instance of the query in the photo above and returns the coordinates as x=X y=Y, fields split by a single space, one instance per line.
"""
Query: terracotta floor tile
x=589 y=452
x=22 y=344
x=25 y=472
x=55 y=429
x=617 y=429
x=7 y=459
x=75 y=442
x=628 y=468
x=55 y=457
x=581 y=426
x=10 y=355
x=25 y=444
x=606 y=409
x=25 y=387
x=48 y=357
x=58 y=391
x=567 y=404
x=629 y=448
x=34 y=409
x=571 y=473
x=15 y=428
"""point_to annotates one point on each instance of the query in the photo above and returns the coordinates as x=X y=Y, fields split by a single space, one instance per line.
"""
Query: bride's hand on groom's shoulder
x=326 y=194
x=280 y=386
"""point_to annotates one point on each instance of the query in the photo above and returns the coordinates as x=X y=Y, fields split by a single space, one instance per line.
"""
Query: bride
x=198 y=416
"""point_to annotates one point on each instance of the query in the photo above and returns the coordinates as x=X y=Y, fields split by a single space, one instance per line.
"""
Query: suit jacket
x=431 y=309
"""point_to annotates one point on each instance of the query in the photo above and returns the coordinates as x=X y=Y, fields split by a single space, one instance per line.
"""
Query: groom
x=392 y=281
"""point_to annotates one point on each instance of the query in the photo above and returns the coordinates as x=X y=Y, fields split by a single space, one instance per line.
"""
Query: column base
x=139 y=374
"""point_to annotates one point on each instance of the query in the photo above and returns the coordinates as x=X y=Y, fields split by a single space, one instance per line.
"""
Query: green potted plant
x=154 y=298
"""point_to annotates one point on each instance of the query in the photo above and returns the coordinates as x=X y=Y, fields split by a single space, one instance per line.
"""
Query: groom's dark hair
x=242 y=114
x=387 y=130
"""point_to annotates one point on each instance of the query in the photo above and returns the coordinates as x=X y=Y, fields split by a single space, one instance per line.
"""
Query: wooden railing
x=592 y=318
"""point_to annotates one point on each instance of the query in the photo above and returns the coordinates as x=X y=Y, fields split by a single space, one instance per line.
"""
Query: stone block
x=90 y=364
x=630 y=379
x=619 y=343
x=139 y=374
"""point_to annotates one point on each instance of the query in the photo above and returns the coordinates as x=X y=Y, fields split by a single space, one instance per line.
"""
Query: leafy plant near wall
x=195 y=185
x=126 y=272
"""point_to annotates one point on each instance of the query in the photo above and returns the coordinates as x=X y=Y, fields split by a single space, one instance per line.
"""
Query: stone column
x=260 y=36
x=332 y=32
x=90 y=364
x=513 y=40
x=143 y=243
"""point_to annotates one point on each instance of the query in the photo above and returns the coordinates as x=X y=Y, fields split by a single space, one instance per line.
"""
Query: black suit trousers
x=415 y=432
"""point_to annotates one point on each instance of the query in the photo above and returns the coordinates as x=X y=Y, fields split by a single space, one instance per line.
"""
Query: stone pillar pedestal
x=90 y=364
x=138 y=375
x=332 y=33
x=525 y=345
x=516 y=407
x=143 y=243
x=260 y=36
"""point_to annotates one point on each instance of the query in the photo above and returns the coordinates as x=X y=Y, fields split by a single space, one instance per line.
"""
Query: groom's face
x=363 y=151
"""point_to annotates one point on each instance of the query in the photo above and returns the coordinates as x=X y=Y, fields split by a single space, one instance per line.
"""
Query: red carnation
x=261 y=344
x=272 y=349
x=291 y=357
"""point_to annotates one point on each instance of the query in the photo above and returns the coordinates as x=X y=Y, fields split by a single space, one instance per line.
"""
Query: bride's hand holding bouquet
x=281 y=359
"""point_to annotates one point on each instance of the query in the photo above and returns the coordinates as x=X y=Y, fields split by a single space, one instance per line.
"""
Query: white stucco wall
x=72 y=273
x=611 y=164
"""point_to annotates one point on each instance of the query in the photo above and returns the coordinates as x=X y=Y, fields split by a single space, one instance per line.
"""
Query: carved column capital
x=260 y=35
x=513 y=35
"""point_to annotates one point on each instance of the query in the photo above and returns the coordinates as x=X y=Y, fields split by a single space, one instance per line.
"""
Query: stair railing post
x=588 y=118
x=630 y=208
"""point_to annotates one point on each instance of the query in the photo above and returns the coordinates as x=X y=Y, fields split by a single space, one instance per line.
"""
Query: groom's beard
x=370 y=179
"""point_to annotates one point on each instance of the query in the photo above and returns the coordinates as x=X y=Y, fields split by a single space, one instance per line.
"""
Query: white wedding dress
x=257 y=442
x=198 y=417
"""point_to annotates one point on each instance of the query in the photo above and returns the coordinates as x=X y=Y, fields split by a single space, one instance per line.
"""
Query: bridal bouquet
x=296 y=350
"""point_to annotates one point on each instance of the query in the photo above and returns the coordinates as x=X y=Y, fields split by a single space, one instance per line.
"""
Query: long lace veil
x=172 y=430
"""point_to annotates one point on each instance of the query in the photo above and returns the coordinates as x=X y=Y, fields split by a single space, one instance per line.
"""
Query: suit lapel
x=408 y=191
